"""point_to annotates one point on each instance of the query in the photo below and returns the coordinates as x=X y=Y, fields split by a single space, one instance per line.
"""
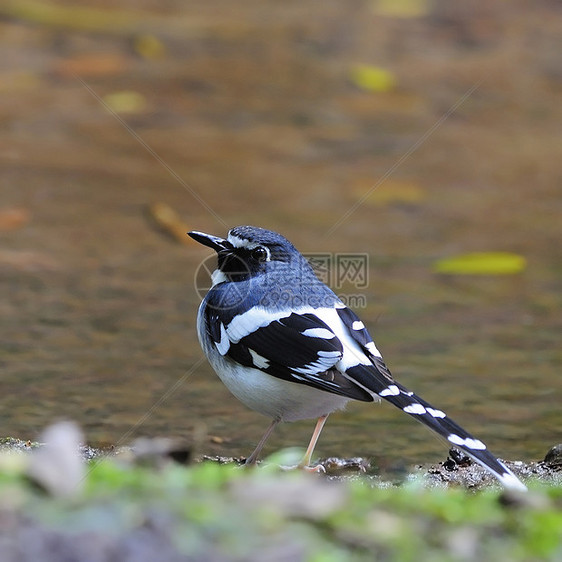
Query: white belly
x=274 y=397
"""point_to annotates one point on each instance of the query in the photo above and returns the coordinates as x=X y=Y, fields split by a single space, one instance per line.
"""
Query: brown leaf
x=169 y=222
x=89 y=65
x=13 y=218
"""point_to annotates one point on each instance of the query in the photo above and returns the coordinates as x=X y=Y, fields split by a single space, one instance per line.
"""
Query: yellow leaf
x=372 y=78
x=149 y=46
x=390 y=192
x=481 y=263
x=401 y=8
x=125 y=101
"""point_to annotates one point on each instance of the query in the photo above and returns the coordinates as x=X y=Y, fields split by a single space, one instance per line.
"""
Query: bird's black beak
x=218 y=244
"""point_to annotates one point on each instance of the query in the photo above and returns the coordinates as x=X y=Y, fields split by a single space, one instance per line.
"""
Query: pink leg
x=254 y=456
x=308 y=455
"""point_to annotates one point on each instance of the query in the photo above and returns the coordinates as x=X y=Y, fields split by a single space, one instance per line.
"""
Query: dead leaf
x=169 y=222
x=91 y=65
x=27 y=261
x=14 y=218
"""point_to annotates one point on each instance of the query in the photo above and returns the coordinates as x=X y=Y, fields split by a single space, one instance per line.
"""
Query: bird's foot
x=318 y=469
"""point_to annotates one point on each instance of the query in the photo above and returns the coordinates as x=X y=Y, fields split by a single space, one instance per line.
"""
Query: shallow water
x=256 y=111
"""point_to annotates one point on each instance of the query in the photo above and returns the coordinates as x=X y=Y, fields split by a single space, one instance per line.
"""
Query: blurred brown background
x=283 y=115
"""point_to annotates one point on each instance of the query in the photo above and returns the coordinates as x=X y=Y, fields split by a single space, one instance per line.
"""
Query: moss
x=222 y=512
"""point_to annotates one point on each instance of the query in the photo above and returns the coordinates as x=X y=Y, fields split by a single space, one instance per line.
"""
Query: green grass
x=214 y=512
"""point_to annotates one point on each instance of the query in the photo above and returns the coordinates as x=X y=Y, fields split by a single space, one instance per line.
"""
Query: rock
x=57 y=466
x=554 y=455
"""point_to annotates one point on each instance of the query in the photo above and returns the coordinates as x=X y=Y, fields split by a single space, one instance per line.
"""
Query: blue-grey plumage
x=286 y=346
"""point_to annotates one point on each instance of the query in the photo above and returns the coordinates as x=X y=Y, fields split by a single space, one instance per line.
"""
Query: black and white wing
x=297 y=347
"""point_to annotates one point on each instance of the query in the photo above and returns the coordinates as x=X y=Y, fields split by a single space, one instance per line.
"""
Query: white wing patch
x=258 y=317
x=319 y=333
x=259 y=361
x=352 y=353
x=224 y=344
x=372 y=349
x=248 y=322
x=330 y=354
x=311 y=369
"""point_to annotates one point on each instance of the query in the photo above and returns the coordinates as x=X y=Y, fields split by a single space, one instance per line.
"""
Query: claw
x=318 y=469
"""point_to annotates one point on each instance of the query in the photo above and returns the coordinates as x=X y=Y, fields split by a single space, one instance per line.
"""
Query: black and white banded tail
x=435 y=419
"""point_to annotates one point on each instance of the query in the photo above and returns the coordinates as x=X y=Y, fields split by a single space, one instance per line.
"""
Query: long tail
x=386 y=387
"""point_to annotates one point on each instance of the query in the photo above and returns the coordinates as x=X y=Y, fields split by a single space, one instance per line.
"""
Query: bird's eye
x=259 y=253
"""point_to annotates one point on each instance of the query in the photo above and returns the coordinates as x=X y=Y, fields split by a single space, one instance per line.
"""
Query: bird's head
x=248 y=251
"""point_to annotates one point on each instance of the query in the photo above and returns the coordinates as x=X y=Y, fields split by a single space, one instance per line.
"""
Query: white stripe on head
x=239 y=242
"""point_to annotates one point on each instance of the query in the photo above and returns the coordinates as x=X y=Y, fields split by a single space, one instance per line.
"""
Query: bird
x=287 y=347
